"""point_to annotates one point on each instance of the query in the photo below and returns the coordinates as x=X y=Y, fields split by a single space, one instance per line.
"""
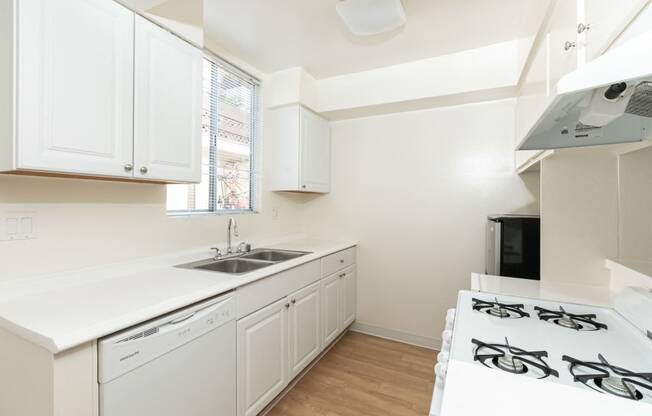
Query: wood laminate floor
x=364 y=375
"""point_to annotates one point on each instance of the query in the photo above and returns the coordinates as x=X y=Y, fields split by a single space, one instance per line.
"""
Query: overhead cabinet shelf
x=89 y=88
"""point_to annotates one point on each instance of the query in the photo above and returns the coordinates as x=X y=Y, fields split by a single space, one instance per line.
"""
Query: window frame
x=254 y=159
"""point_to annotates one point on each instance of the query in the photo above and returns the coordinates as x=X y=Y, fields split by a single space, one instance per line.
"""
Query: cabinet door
x=304 y=327
x=315 y=152
x=262 y=357
x=607 y=19
x=75 y=86
x=331 y=308
x=563 y=41
x=168 y=108
x=348 y=293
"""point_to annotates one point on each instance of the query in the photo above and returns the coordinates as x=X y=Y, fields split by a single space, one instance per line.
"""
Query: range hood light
x=371 y=17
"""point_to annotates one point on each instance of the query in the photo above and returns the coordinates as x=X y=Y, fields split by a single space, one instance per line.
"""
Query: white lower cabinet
x=348 y=293
x=339 y=303
x=331 y=307
x=262 y=357
x=304 y=327
x=277 y=342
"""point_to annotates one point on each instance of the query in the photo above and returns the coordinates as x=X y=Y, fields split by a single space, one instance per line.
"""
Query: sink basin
x=233 y=266
x=273 y=255
x=244 y=263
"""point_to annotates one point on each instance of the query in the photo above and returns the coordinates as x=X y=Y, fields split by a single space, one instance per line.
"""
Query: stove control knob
x=440 y=371
x=446 y=338
x=450 y=316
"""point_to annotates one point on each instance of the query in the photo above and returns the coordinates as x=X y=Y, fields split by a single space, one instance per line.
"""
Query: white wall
x=415 y=190
x=86 y=222
x=635 y=209
x=579 y=215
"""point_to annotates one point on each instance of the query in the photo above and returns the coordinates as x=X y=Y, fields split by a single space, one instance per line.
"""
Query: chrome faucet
x=232 y=225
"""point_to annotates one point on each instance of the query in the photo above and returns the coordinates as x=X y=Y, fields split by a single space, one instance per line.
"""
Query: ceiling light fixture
x=371 y=17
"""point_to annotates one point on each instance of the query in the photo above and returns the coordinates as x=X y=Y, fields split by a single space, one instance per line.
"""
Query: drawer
x=261 y=293
x=337 y=261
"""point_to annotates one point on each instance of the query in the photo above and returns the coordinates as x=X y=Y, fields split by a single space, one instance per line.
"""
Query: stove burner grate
x=606 y=378
x=500 y=310
x=584 y=322
x=512 y=360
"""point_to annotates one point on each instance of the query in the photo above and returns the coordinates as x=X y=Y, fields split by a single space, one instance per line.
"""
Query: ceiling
x=273 y=35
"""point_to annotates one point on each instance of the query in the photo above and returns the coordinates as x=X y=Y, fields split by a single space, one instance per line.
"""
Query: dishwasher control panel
x=123 y=351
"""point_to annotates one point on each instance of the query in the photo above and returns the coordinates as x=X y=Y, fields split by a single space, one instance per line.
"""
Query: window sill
x=186 y=214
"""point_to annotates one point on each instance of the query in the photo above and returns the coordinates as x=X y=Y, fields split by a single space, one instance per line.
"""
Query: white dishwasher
x=180 y=364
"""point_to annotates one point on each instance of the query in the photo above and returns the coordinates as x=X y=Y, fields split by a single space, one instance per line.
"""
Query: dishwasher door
x=183 y=364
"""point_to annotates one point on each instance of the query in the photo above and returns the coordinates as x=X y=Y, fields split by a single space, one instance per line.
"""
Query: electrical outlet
x=17 y=226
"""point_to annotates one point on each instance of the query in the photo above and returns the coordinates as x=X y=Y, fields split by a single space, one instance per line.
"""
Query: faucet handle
x=218 y=252
x=242 y=247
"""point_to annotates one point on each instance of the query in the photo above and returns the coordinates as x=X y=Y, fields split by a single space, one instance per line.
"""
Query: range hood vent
x=607 y=101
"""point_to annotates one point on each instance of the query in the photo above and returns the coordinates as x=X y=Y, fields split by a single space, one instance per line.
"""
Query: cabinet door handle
x=303 y=186
x=342 y=261
x=294 y=301
x=129 y=167
x=287 y=305
x=343 y=274
x=144 y=170
x=581 y=28
x=568 y=45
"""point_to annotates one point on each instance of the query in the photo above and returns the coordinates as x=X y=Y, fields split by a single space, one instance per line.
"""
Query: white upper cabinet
x=168 y=87
x=300 y=152
x=315 y=153
x=88 y=88
x=75 y=87
x=562 y=47
x=602 y=22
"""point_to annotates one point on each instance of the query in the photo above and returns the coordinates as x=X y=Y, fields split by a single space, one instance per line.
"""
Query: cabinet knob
x=287 y=305
x=342 y=261
x=129 y=167
x=144 y=170
x=303 y=186
x=568 y=45
x=343 y=274
x=581 y=28
x=294 y=301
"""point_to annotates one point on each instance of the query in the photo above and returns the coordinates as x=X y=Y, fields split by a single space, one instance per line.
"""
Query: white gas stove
x=504 y=355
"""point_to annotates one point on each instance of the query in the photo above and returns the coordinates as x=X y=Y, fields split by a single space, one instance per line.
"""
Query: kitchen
x=305 y=188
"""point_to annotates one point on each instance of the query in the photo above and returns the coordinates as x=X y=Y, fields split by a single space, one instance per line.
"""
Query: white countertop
x=68 y=309
x=560 y=292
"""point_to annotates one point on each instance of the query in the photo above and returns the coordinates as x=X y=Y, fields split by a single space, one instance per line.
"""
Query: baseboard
x=419 y=341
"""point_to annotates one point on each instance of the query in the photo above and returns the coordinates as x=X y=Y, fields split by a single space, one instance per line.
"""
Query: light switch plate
x=17 y=226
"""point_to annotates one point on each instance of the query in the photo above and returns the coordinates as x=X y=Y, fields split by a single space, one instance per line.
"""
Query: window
x=229 y=143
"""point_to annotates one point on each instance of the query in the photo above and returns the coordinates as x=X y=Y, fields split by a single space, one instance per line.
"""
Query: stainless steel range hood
x=608 y=100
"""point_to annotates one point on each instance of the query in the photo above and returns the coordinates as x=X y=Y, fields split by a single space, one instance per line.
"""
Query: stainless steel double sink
x=244 y=262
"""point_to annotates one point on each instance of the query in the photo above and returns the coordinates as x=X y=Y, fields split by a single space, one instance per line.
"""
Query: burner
x=510 y=363
x=500 y=310
x=564 y=319
x=606 y=378
x=513 y=360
